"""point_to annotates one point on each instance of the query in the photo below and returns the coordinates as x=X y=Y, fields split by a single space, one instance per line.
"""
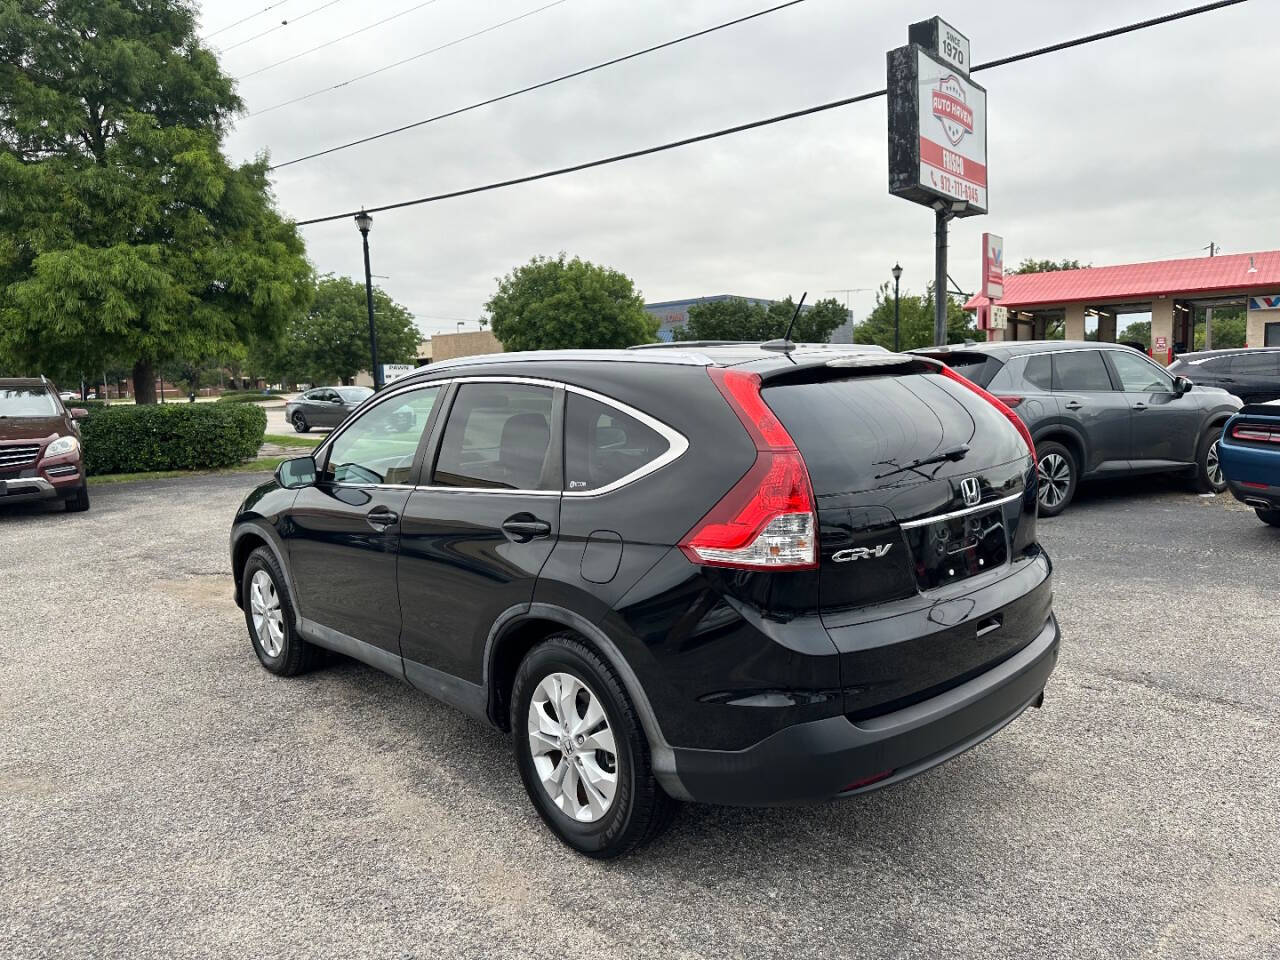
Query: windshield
x=27 y=402
x=355 y=394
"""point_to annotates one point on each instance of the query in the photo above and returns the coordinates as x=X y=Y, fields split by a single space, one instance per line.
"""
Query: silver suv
x=1099 y=410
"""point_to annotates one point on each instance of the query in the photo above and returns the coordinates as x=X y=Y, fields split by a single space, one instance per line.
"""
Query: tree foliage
x=916 y=321
x=558 y=303
x=330 y=342
x=126 y=236
x=1049 y=266
x=737 y=319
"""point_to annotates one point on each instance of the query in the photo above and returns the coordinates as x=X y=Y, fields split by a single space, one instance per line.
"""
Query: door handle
x=523 y=527
x=1139 y=405
x=1074 y=405
x=381 y=518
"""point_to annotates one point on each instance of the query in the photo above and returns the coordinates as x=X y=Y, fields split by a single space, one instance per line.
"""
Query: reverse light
x=62 y=445
x=767 y=520
x=1000 y=405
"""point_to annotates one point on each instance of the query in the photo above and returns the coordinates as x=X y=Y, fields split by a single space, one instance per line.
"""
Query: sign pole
x=940 y=278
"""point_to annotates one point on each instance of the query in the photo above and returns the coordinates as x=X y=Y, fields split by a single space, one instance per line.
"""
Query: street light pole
x=897 y=315
x=363 y=223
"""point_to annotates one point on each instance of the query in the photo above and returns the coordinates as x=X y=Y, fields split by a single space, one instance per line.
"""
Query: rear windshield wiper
x=951 y=454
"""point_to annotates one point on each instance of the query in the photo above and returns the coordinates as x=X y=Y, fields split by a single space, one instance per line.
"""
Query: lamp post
x=363 y=223
x=897 y=322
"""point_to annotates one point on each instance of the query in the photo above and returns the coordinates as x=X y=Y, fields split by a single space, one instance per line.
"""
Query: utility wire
x=280 y=26
x=416 y=56
x=537 y=86
x=269 y=7
x=780 y=118
x=329 y=43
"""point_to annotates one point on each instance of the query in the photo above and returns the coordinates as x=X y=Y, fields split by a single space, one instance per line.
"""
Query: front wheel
x=268 y=612
x=79 y=501
x=1209 y=477
x=1269 y=517
x=581 y=751
x=1057 y=478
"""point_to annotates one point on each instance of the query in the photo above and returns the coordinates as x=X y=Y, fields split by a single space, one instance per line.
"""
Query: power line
x=269 y=7
x=329 y=43
x=280 y=26
x=780 y=118
x=537 y=86
x=416 y=56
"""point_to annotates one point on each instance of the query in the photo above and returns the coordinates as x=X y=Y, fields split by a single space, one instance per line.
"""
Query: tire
x=1058 y=476
x=1269 y=517
x=638 y=809
x=300 y=423
x=279 y=648
x=1208 y=476
x=79 y=502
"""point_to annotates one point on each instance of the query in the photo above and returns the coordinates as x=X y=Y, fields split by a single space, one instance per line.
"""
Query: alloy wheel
x=1212 y=465
x=573 y=748
x=268 y=618
x=1055 y=480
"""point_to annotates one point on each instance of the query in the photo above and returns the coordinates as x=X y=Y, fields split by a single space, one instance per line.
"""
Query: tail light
x=1252 y=434
x=1010 y=402
x=767 y=520
x=1000 y=405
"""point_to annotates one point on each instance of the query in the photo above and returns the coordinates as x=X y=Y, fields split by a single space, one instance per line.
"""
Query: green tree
x=558 y=303
x=737 y=319
x=916 y=321
x=1048 y=266
x=1137 y=332
x=126 y=236
x=331 y=340
x=1229 y=326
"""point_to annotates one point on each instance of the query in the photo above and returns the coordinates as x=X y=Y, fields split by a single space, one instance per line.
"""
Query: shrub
x=248 y=396
x=90 y=405
x=172 y=436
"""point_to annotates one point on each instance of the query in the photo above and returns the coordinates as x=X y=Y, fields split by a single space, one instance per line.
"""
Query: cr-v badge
x=862 y=553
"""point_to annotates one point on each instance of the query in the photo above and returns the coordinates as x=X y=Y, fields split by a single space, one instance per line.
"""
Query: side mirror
x=1182 y=385
x=296 y=473
x=78 y=413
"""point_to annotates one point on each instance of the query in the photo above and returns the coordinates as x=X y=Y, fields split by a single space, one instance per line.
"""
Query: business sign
x=946 y=41
x=999 y=318
x=394 y=371
x=937 y=131
x=1264 y=303
x=992 y=266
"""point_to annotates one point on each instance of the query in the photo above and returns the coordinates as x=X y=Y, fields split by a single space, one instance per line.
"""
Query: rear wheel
x=300 y=423
x=581 y=751
x=268 y=612
x=1208 y=473
x=1271 y=517
x=79 y=501
x=1057 y=478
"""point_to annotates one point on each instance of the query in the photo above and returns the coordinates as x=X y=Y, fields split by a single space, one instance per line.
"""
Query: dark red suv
x=40 y=456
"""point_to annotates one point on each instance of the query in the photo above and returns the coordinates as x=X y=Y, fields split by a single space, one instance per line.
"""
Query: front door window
x=379 y=446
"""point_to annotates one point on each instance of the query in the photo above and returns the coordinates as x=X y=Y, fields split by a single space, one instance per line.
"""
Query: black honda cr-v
x=722 y=573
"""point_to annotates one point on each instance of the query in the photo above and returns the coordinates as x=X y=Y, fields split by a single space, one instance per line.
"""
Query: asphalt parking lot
x=163 y=796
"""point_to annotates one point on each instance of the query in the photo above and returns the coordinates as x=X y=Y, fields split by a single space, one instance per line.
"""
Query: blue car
x=1249 y=453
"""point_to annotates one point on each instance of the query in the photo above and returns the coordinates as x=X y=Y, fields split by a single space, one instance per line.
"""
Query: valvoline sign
x=992 y=266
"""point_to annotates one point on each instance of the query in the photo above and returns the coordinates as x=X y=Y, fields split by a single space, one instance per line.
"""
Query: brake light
x=1000 y=405
x=1255 y=434
x=767 y=520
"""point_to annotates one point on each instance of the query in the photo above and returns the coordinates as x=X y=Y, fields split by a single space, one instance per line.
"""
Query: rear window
x=863 y=433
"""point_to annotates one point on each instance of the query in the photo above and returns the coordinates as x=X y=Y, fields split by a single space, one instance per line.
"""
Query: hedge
x=171 y=436
x=91 y=405
x=248 y=396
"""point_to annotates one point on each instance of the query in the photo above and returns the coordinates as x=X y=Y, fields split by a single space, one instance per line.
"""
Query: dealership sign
x=394 y=371
x=992 y=266
x=937 y=121
x=1264 y=303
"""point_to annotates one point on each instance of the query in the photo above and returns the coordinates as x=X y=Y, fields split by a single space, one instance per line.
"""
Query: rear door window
x=1080 y=371
x=498 y=437
x=1256 y=364
x=603 y=445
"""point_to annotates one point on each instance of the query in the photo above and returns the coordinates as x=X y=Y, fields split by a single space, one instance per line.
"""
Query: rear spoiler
x=808 y=369
x=1259 y=410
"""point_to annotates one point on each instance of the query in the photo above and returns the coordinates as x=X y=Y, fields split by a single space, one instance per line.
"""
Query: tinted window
x=1140 y=375
x=1039 y=372
x=27 y=402
x=1080 y=370
x=602 y=444
x=499 y=436
x=973 y=366
x=379 y=445
x=1215 y=365
x=1263 y=364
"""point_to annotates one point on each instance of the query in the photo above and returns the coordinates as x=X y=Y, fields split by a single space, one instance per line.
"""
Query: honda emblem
x=971 y=491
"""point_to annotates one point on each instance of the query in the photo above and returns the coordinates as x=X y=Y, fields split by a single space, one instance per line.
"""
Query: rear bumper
x=1260 y=497
x=815 y=761
x=1252 y=473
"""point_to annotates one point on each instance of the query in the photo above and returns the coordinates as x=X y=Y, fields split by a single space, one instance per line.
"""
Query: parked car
x=1099 y=410
x=40 y=445
x=1251 y=373
x=324 y=406
x=1250 y=456
x=728 y=574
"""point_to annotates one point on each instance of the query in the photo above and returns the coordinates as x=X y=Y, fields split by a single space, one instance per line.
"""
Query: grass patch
x=266 y=465
x=291 y=440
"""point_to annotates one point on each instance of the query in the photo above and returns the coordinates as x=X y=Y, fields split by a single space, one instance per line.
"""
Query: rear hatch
x=925 y=519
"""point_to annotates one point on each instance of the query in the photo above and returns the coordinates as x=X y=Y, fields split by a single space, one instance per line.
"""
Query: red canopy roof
x=1139 y=281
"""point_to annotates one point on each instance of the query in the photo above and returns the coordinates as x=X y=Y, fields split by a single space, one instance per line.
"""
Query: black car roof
x=1227 y=352
x=1016 y=348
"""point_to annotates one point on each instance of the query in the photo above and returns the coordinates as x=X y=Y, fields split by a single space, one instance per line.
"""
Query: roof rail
x=681 y=344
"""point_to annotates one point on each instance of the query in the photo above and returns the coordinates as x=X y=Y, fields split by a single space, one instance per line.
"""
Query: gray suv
x=1099 y=410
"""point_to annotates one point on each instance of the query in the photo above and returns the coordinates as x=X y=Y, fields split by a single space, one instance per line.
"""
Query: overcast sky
x=1140 y=148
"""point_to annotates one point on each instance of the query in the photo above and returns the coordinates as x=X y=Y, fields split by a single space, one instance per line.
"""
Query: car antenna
x=785 y=345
